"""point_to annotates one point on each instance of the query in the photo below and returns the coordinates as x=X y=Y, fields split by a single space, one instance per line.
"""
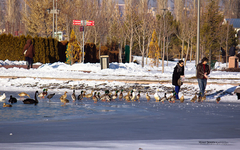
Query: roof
x=234 y=22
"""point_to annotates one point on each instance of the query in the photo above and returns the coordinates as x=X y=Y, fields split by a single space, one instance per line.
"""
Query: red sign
x=81 y=28
x=90 y=23
x=77 y=22
x=84 y=22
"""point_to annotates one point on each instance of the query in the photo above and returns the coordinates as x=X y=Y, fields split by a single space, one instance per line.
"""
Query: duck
x=171 y=99
x=73 y=95
x=115 y=95
x=156 y=96
x=120 y=95
x=138 y=96
x=133 y=95
x=182 y=99
x=194 y=98
x=148 y=97
x=94 y=97
x=127 y=97
x=12 y=99
x=50 y=96
x=31 y=101
x=80 y=97
x=106 y=96
x=89 y=95
x=64 y=101
x=64 y=96
x=3 y=97
x=204 y=98
x=7 y=105
x=98 y=95
x=164 y=98
x=43 y=94
x=22 y=94
x=218 y=99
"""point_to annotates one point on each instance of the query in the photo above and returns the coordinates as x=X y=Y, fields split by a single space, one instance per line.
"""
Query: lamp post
x=198 y=35
x=54 y=11
x=163 y=40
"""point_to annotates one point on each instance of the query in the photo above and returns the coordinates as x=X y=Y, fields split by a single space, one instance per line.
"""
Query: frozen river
x=81 y=123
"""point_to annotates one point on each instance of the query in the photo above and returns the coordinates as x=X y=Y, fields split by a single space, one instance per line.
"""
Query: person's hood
x=29 y=41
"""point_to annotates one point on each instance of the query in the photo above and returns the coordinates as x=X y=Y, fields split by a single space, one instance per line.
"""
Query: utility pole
x=198 y=35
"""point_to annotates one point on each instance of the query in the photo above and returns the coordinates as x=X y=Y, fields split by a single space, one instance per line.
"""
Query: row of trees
x=46 y=49
x=158 y=32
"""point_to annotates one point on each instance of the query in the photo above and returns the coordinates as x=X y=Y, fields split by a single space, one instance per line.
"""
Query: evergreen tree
x=73 y=53
x=154 y=51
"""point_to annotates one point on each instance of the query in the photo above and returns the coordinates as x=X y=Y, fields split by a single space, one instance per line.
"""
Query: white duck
x=2 y=97
x=156 y=96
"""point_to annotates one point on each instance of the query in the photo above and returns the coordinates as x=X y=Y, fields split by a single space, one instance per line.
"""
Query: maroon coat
x=30 y=49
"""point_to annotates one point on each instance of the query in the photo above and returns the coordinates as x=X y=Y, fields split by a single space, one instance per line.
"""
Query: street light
x=198 y=35
x=54 y=11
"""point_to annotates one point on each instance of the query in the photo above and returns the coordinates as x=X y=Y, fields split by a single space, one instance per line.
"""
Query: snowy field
x=117 y=125
x=117 y=71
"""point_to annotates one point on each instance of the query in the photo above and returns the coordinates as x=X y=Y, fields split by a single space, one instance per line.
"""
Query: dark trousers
x=202 y=83
x=29 y=62
x=177 y=89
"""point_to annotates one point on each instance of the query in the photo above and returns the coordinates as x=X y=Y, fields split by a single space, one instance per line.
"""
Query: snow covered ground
x=117 y=71
x=117 y=125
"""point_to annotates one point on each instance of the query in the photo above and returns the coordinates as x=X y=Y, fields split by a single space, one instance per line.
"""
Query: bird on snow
x=80 y=97
x=115 y=95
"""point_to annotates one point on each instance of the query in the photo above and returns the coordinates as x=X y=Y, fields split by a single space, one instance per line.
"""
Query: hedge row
x=46 y=49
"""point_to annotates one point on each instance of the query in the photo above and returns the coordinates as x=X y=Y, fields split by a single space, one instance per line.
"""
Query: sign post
x=83 y=23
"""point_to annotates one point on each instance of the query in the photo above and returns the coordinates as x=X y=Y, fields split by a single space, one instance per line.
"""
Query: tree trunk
x=149 y=39
x=167 y=50
x=182 y=49
x=191 y=51
x=143 y=49
x=185 y=62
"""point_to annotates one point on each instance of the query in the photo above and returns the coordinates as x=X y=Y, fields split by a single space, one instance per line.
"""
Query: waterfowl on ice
x=43 y=94
x=50 y=96
x=7 y=105
x=2 y=97
x=218 y=99
x=12 y=99
x=22 y=94
x=31 y=101
x=148 y=97
x=73 y=95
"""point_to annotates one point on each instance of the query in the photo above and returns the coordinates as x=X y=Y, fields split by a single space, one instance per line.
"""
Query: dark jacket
x=30 y=49
x=178 y=71
x=232 y=51
x=200 y=70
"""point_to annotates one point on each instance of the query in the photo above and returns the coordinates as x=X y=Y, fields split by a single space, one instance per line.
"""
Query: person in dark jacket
x=29 y=53
x=203 y=71
x=177 y=74
x=232 y=51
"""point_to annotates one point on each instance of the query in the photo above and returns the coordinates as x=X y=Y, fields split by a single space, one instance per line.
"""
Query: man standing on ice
x=203 y=71
x=177 y=74
x=29 y=53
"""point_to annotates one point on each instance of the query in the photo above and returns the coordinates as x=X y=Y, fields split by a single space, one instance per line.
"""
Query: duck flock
x=131 y=96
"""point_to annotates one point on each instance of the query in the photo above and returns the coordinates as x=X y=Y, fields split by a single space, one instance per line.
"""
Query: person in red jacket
x=29 y=53
x=203 y=70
